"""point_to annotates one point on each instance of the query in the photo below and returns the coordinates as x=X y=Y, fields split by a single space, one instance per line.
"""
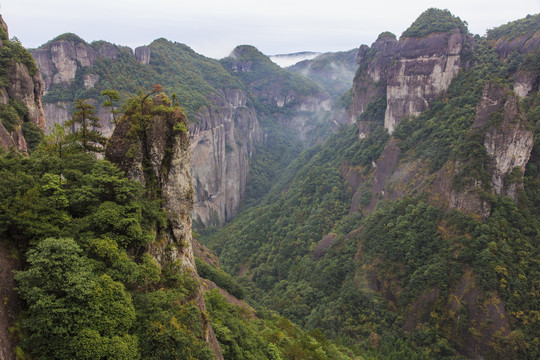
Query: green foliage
x=70 y=37
x=434 y=21
x=10 y=118
x=345 y=100
x=220 y=278
x=170 y=326
x=270 y=159
x=386 y=34
x=84 y=124
x=275 y=338
x=65 y=300
x=32 y=134
x=13 y=51
x=263 y=74
x=112 y=98
x=514 y=29
x=333 y=71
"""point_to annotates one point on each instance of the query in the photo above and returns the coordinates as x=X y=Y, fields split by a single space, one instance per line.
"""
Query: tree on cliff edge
x=84 y=123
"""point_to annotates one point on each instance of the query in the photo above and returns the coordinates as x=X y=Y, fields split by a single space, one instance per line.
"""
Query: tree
x=112 y=97
x=56 y=287
x=73 y=314
x=84 y=124
x=55 y=140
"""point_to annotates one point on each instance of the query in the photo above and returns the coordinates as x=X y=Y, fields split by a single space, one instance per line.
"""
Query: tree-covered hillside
x=416 y=277
x=89 y=285
x=176 y=67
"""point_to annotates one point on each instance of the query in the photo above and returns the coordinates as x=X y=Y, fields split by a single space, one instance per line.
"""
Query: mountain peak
x=434 y=21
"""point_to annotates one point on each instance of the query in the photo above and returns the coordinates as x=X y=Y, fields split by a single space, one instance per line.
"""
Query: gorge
x=377 y=203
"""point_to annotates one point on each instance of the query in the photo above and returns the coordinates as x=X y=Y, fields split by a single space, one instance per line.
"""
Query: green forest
x=386 y=283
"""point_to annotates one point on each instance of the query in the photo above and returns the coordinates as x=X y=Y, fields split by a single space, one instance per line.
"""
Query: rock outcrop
x=22 y=94
x=156 y=153
x=422 y=70
x=371 y=78
x=142 y=54
x=412 y=72
x=508 y=141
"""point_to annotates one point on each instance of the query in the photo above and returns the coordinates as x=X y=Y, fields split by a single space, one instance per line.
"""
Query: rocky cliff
x=153 y=148
x=370 y=81
x=224 y=129
x=221 y=146
x=295 y=102
x=412 y=74
x=21 y=88
x=413 y=71
x=423 y=69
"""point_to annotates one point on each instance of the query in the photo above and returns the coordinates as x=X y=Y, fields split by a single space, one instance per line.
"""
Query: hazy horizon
x=214 y=29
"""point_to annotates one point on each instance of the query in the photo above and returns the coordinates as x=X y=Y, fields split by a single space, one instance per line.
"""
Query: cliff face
x=371 y=78
x=162 y=144
x=166 y=151
x=20 y=97
x=412 y=72
x=224 y=131
x=221 y=145
x=423 y=69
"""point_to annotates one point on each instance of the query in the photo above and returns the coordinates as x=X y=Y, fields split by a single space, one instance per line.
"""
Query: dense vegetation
x=176 y=67
x=89 y=288
x=434 y=21
x=526 y=26
x=386 y=283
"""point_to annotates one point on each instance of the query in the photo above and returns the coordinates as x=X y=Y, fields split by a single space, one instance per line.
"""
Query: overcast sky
x=215 y=27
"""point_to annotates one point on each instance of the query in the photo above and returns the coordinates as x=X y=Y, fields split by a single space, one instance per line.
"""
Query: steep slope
x=151 y=145
x=224 y=128
x=422 y=244
x=22 y=120
x=414 y=71
x=296 y=102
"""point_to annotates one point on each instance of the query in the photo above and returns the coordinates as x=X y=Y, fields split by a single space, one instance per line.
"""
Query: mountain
x=224 y=127
x=21 y=89
x=225 y=108
x=333 y=71
x=296 y=102
x=413 y=232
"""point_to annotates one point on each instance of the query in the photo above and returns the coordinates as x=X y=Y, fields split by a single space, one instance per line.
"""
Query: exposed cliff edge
x=413 y=71
x=224 y=127
x=423 y=69
x=21 y=88
x=151 y=144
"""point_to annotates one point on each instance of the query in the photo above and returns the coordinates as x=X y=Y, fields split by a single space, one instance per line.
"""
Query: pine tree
x=84 y=124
